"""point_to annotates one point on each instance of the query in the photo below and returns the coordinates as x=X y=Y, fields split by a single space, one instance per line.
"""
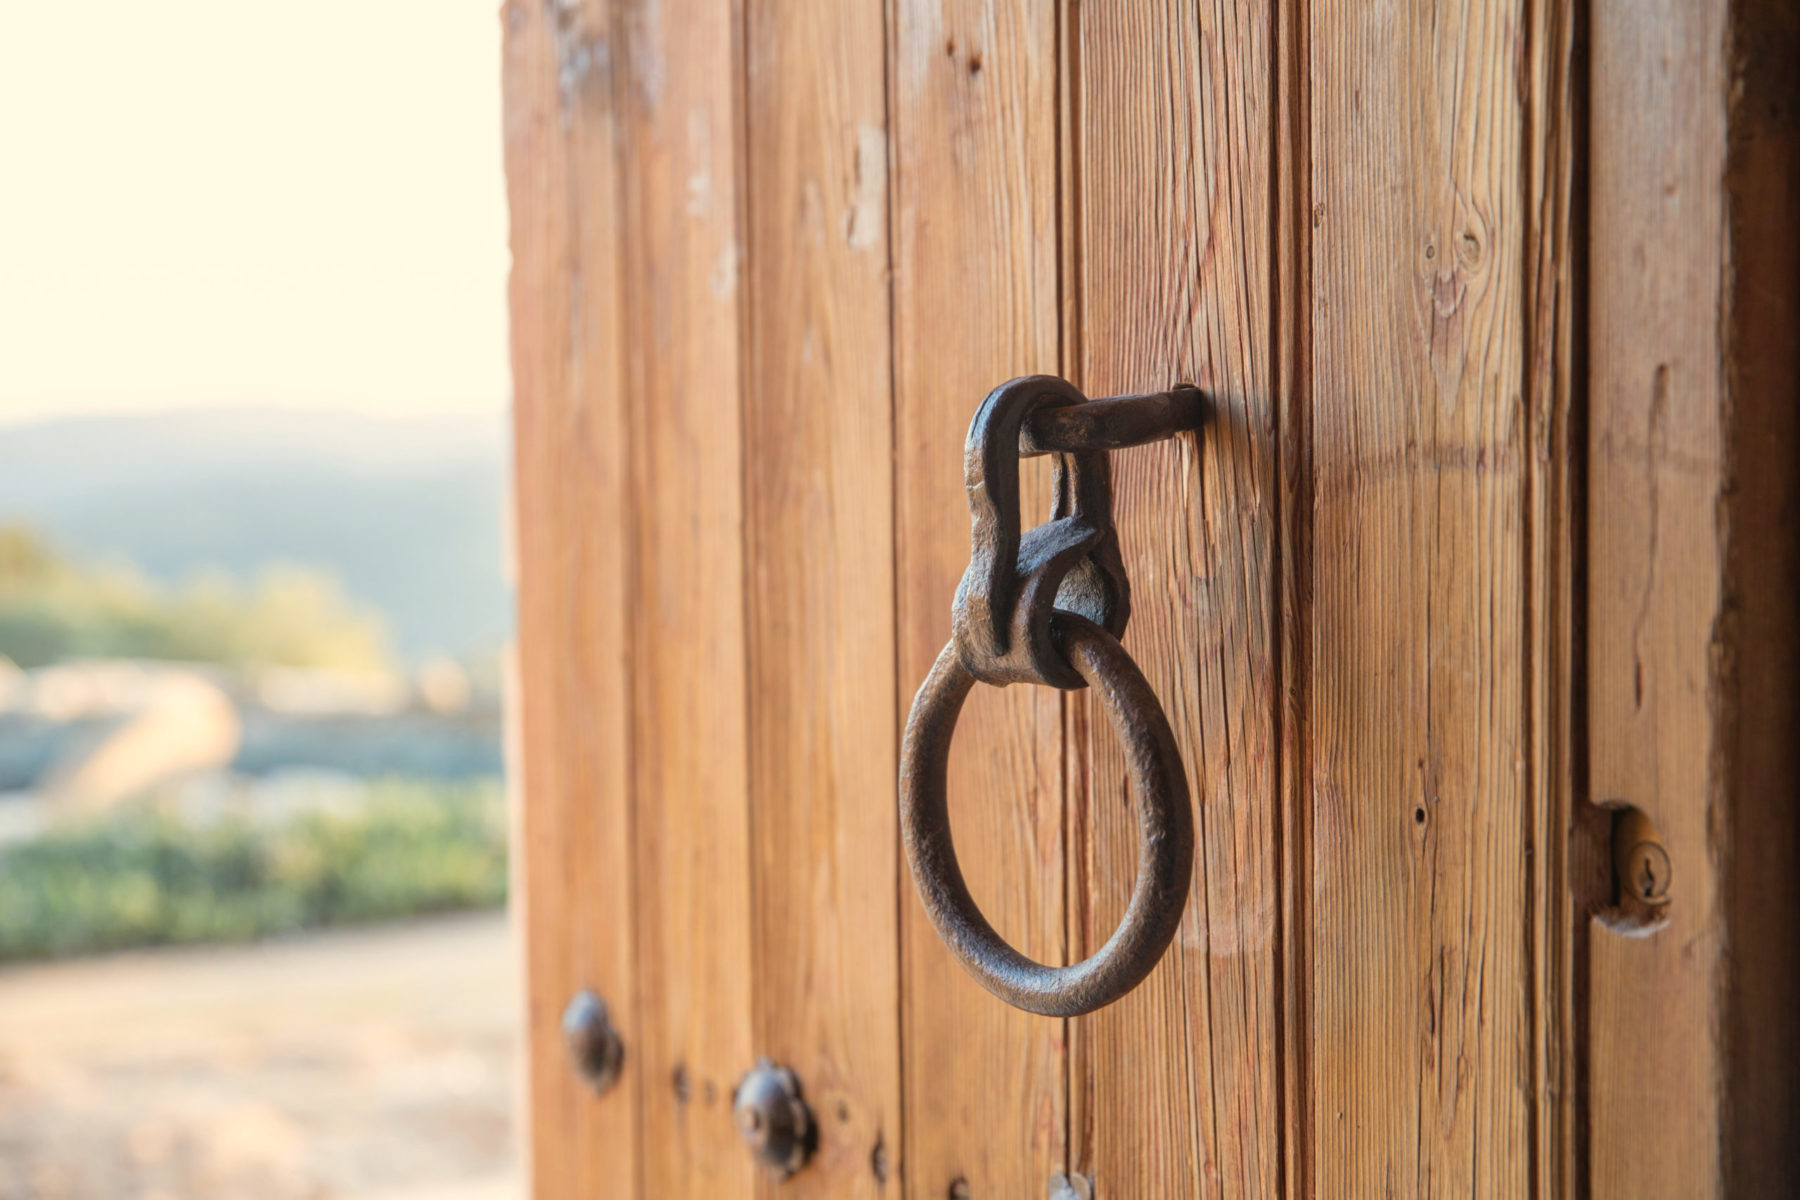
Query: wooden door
x=1477 y=583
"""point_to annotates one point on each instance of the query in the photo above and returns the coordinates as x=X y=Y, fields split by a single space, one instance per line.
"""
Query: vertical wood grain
x=1176 y=1087
x=974 y=122
x=681 y=128
x=1419 y=1013
x=1762 y=877
x=1655 y=469
x=1359 y=592
x=818 y=432
x=1691 y=659
x=1553 y=391
x=574 y=896
x=1291 y=387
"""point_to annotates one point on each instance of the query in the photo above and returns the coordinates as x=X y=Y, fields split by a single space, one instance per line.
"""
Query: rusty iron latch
x=1048 y=606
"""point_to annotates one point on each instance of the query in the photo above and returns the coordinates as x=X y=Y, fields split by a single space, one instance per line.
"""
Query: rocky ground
x=367 y=1065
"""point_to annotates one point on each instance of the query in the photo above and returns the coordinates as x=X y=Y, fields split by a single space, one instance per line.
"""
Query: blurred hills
x=406 y=512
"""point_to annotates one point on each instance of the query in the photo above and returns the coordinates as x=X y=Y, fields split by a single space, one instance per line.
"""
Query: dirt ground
x=367 y=1065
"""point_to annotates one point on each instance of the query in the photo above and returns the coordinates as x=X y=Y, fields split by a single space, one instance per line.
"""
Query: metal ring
x=1165 y=832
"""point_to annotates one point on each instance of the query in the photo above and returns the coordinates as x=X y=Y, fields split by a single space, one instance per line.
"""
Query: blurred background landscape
x=254 y=612
x=224 y=631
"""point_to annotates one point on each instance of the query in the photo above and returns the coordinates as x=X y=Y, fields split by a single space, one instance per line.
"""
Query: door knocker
x=1048 y=606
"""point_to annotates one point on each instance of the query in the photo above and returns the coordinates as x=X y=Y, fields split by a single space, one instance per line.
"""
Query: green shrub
x=145 y=878
x=53 y=608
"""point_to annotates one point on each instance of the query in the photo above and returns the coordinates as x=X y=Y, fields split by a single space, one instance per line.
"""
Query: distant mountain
x=407 y=513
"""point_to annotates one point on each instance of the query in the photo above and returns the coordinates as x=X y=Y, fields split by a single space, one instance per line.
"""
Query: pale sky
x=230 y=201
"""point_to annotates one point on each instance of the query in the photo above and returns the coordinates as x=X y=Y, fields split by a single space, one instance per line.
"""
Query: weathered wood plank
x=572 y=799
x=1291 y=392
x=1762 y=882
x=1419 y=1015
x=820 y=538
x=974 y=106
x=1553 y=499
x=1176 y=1088
x=1655 y=569
x=1692 y=573
x=681 y=124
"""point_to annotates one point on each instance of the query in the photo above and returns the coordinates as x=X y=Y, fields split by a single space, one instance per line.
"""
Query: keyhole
x=1641 y=868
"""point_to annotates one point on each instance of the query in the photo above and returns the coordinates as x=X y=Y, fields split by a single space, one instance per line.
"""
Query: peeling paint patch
x=699 y=151
x=1248 y=928
x=579 y=58
x=724 y=278
x=865 y=222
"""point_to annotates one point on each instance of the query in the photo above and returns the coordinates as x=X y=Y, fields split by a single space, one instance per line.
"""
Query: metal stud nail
x=774 y=1119
x=594 y=1045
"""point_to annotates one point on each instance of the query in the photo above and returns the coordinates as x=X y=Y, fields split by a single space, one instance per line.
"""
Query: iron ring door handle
x=1165 y=832
x=1048 y=607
